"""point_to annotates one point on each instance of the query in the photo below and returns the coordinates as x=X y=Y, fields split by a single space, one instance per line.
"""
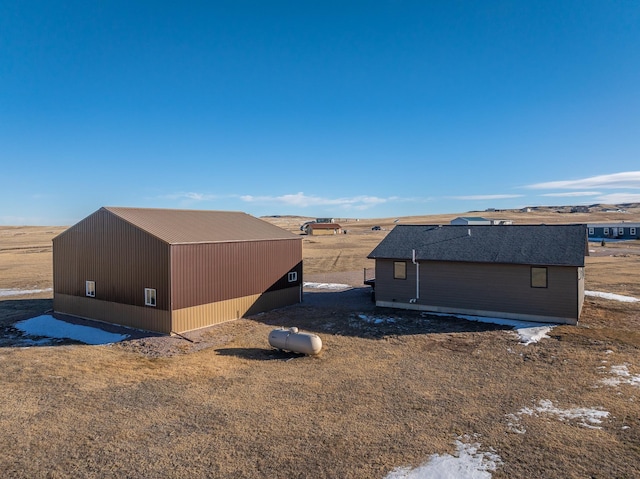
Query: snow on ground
x=375 y=319
x=587 y=417
x=326 y=285
x=50 y=327
x=469 y=463
x=615 y=297
x=18 y=292
x=621 y=375
x=528 y=331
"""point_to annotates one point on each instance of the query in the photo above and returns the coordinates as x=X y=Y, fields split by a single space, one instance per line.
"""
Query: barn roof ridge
x=178 y=226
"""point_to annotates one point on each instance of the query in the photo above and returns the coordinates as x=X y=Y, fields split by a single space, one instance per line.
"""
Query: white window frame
x=591 y=231
x=292 y=276
x=620 y=231
x=605 y=231
x=632 y=231
x=150 y=297
x=90 y=289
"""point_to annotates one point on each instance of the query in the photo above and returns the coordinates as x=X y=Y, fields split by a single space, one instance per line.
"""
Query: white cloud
x=191 y=196
x=616 y=198
x=571 y=194
x=303 y=201
x=628 y=179
x=484 y=197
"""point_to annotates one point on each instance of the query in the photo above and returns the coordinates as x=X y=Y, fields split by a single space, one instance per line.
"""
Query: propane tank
x=293 y=340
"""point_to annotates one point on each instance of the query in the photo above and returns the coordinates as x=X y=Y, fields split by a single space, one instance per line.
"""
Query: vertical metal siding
x=150 y=319
x=214 y=272
x=121 y=259
x=196 y=317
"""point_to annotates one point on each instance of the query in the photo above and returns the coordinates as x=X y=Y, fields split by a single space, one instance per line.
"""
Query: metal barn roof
x=200 y=226
x=562 y=245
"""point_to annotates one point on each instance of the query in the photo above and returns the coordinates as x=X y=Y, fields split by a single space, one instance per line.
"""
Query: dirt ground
x=389 y=389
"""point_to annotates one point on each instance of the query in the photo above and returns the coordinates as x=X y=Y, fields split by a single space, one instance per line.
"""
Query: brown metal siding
x=484 y=287
x=121 y=259
x=210 y=273
x=149 y=319
x=195 y=317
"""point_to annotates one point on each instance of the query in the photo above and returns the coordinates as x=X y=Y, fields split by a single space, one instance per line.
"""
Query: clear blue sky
x=316 y=108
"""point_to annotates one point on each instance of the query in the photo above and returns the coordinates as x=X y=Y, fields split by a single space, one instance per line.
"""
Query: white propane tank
x=292 y=340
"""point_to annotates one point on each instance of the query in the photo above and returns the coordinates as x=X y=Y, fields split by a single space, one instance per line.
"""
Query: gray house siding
x=501 y=290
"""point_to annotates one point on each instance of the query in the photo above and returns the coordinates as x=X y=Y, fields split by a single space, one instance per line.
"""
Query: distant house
x=174 y=270
x=318 y=229
x=621 y=231
x=526 y=272
x=470 y=220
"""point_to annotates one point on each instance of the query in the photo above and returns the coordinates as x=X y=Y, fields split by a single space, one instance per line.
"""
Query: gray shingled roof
x=563 y=245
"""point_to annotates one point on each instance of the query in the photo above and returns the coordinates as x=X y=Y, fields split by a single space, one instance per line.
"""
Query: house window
x=632 y=231
x=606 y=231
x=399 y=270
x=292 y=276
x=591 y=231
x=90 y=288
x=538 y=277
x=149 y=297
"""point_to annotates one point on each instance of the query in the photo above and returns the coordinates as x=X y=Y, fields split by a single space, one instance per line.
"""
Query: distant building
x=621 y=231
x=580 y=209
x=325 y=220
x=470 y=220
x=318 y=229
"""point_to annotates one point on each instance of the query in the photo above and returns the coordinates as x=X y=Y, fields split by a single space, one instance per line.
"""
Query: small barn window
x=90 y=288
x=591 y=231
x=606 y=231
x=632 y=231
x=538 y=277
x=620 y=231
x=399 y=270
x=149 y=297
x=292 y=276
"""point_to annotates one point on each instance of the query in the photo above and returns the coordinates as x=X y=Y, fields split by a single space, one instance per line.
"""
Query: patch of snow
x=622 y=376
x=469 y=463
x=49 y=327
x=615 y=297
x=587 y=417
x=528 y=331
x=18 y=292
x=375 y=320
x=326 y=285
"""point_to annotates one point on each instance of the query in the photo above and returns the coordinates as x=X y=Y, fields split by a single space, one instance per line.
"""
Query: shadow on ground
x=259 y=354
x=351 y=312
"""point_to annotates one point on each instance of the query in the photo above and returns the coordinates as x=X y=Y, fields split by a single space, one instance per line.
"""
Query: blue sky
x=316 y=108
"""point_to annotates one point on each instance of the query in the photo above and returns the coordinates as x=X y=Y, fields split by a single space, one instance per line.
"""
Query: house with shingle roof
x=173 y=271
x=525 y=272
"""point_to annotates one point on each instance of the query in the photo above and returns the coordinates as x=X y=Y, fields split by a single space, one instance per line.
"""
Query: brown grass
x=377 y=397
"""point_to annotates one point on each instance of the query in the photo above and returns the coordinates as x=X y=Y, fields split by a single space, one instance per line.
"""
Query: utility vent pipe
x=413 y=259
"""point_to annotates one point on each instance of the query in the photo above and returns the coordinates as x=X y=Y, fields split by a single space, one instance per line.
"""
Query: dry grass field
x=382 y=394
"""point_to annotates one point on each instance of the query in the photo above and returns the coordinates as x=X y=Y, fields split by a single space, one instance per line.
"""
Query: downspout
x=413 y=259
